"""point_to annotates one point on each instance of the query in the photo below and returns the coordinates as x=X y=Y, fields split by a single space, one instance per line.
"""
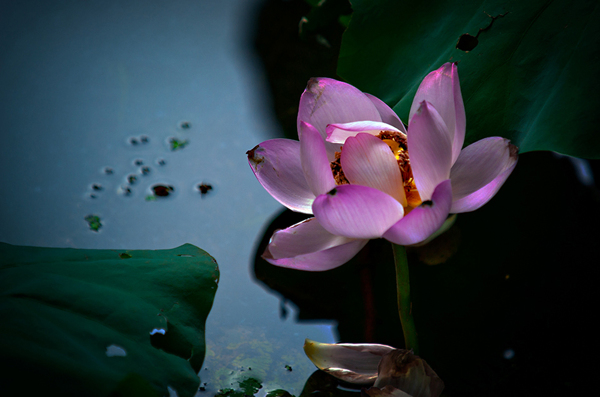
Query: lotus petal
x=351 y=362
x=276 y=164
x=327 y=101
x=357 y=211
x=308 y=246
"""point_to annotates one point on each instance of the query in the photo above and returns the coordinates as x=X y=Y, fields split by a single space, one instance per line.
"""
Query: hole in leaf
x=467 y=43
x=174 y=342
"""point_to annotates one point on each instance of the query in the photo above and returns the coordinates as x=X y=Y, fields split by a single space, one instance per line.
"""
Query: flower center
x=397 y=143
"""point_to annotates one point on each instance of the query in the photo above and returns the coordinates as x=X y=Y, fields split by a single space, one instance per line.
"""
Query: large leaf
x=104 y=322
x=532 y=77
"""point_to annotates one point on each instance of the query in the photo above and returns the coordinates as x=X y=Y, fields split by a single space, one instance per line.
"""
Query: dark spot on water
x=202 y=388
x=176 y=144
x=92 y=195
x=126 y=190
x=466 y=42
x=138 y=162
x=131 y=178
x=145 y=170
x=161 y=162
x=97 y=187
x=185 y=125
x=204 y=188
x=288 y=367
x=144 y=139
x=124 y=255
x=133 y=141
x=108 y=171
x=162 y=191
x=427 y=203
x=94 y=222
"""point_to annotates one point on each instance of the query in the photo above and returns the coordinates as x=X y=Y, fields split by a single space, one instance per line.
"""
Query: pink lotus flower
x=363 y=176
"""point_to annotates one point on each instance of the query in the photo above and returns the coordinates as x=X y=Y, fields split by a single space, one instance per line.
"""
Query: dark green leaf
x=530 y=76
x=104 y=322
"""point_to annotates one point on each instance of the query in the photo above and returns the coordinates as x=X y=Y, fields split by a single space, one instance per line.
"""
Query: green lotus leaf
x=104 y=322
x=527 y=68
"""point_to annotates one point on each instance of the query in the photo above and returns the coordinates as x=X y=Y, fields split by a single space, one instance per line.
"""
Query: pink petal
x=276 y=165
x=424 y=220
x=388 y=116
x=479 y=164
x=327 y=101
x=338 y=133
x=429 y=149
x=441 y=88
x=368 y=161
x=307 y=246
x=357 y=211
x=483 y=195
x=315 y=163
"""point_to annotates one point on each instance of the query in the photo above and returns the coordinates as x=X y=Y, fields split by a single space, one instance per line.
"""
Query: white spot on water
x=115 y=351
x=157 y=331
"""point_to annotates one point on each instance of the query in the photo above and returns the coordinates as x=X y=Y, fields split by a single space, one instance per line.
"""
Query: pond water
x=93 y=92
x=96 y=95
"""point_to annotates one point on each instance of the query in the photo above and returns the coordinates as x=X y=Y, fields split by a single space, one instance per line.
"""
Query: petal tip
x=253 y=158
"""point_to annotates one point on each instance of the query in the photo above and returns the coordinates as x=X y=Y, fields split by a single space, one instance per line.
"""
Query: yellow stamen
x=395 y=146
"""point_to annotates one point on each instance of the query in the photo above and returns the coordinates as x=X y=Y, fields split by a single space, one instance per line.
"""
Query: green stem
x=404 y=302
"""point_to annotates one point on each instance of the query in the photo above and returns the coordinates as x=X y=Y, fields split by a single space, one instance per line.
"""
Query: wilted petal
x=339 y=132
x=479 y=164
x=409 y=373
x=307 y=246
x=424 y=220
x=368 y=161
x=314 y=160
x=441 y=88
x=475 y=200
x=430 y=149
x=357 y=211
x=327 y=101
x=351 y=362
x=276 y=164
x=387 y=114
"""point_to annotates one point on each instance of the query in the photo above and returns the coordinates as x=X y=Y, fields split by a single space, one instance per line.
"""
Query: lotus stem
x=404 y=302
